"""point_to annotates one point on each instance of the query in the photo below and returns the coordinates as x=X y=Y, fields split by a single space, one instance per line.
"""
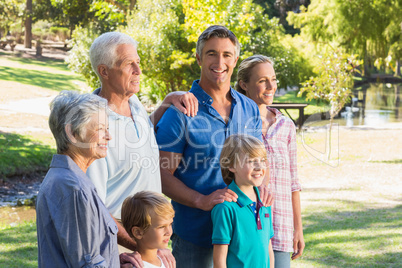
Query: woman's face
x=93 y=144
x=262 y=84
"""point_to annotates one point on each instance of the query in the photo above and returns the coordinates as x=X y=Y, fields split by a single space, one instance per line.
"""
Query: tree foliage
x=167 y=31
x=333 y=84
x=334 y=81
x=11 y=12
x=359 y=26
x=78 y=59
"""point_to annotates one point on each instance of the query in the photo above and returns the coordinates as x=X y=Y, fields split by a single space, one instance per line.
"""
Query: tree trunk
x=132 y=4
x=329 y=137
x=398 y=68
x=365 y=60
x=28 y=25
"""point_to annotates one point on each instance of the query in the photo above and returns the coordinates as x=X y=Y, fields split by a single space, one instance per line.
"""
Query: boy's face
x=157 y=236
x=249 y=171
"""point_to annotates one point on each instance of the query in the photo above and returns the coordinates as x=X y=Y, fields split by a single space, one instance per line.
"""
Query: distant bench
x=11 y=43
x=286 y=106
x=56 y=45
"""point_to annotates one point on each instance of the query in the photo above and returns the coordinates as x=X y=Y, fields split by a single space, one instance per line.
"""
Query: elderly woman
x=74 y=227
x=257 y=80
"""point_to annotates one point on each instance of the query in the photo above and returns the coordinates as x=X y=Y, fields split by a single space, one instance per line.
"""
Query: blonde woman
x=256 y=79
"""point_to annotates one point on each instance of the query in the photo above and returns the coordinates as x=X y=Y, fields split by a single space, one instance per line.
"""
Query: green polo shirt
x=235 y=224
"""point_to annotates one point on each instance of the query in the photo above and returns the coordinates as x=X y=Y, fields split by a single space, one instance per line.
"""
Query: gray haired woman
x=74 y=228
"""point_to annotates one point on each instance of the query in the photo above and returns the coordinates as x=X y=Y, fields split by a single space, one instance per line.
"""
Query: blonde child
x=242 y=230
x=148 y=217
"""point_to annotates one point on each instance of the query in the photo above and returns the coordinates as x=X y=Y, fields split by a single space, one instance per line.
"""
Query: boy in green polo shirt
x=242 y=230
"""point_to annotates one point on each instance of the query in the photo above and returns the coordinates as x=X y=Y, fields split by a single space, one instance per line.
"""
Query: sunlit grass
x=57 y=82
x=20 y=154
x=351 y=234
x=18 y=247
x=291 y=97
x=56 y=64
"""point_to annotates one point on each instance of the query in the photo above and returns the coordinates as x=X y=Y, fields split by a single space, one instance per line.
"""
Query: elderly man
x=190 y=147
x=132 y=162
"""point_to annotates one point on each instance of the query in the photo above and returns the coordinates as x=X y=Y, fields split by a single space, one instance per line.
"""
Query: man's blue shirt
x=200 y=139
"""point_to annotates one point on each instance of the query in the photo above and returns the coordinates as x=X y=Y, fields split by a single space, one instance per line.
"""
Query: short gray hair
x=103 y=49
x=217 y=31
x=76 y=109
x=245 y=68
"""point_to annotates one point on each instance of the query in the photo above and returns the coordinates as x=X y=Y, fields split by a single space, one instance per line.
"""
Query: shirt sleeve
x=98 y=173
x=258 y=127
x=222 y=221
x=170 y=131
x=292 y=149
x=271 y=227
x=78 y=225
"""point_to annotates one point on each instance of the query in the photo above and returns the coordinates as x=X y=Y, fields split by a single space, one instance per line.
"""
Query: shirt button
x=210 y=100
x=252 y=205
x=255 y=211
x=258 y=219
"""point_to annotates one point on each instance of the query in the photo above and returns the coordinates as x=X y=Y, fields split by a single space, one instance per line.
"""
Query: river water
x=373 y=105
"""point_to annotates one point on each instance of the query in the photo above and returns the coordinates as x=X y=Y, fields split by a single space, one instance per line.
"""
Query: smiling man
x=190 y=146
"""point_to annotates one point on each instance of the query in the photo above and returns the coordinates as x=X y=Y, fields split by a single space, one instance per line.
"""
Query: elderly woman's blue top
x=74 y=227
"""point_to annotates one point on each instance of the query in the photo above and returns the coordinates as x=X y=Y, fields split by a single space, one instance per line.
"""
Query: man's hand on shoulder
x=267 y=198
x=167 y=258
x=207 y=202
x=131 y=259
x=186 y=102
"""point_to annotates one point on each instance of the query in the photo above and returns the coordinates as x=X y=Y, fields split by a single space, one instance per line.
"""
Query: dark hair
x=217 y=31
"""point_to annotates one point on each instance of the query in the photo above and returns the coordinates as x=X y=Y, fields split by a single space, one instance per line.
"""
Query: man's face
x=217 y=62
x=124 y=76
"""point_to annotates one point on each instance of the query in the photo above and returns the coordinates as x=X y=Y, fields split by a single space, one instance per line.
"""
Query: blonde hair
x=245 y=68
x=137 y=210
x=236 y=145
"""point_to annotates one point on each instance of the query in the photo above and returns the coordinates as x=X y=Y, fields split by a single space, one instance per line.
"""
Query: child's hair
x=234 y=147
x=137 y=210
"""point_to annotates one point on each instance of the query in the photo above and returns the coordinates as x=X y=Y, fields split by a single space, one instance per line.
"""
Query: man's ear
x=137 y=232
x=69 y=133
x=198 y=59
x=103 y=71
x=236 y=60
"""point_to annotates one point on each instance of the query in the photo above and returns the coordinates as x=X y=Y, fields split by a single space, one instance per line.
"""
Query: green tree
x=167 y=31
x=333 y=84
x=11 y=12
x=28 y=24
x=359 y=26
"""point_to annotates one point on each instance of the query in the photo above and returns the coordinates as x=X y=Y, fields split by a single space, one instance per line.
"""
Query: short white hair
x=103 y=49
x=76 y=109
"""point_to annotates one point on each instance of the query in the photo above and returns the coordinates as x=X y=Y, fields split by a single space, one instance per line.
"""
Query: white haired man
x=132 y=163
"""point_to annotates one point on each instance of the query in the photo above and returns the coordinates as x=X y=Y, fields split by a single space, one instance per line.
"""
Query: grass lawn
x=339 y=234
x=18 y=247
x=45 y=73
x=291 y=97
x=351 y=234
x=21 y=154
